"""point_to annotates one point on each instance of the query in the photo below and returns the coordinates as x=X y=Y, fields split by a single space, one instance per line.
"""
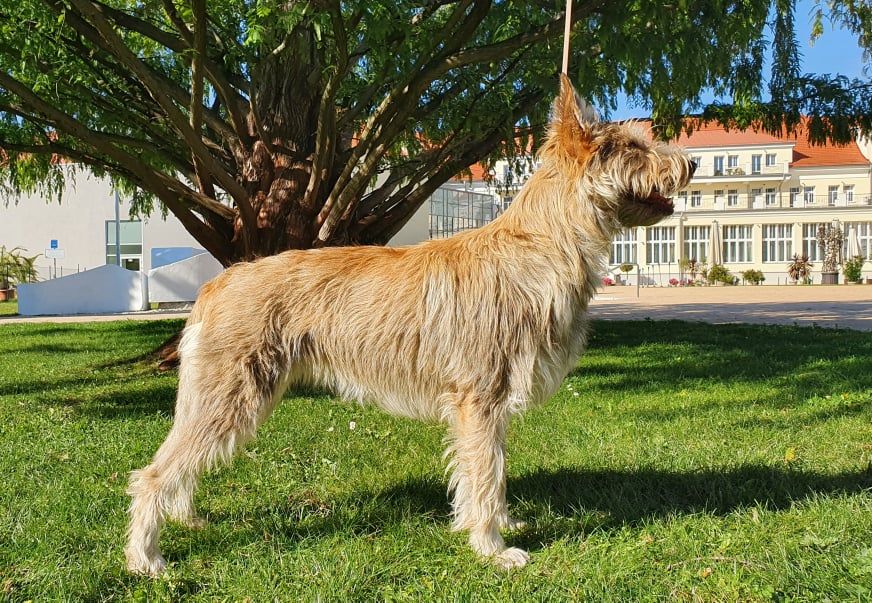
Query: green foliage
x=718 y=273
x=854 y=269
x=16 y=268
x=626 y=268
x=716 y=462
x=421 y=89
x=755 y=277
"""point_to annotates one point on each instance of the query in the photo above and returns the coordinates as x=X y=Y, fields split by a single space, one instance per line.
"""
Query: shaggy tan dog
x=468 y=330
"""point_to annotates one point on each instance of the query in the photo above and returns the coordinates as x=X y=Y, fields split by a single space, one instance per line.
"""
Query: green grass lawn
x=8 y=307
x=679 y=462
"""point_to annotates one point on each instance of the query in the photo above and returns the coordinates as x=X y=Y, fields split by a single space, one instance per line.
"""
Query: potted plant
x=754 y=277
x=829 y=238
x=718 y=273
x=15 y=268
x=692 y=267
x=625 y=268
x=799 y=269
x=854 y=269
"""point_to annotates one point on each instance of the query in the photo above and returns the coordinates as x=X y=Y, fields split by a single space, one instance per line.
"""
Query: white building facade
x=81 y=228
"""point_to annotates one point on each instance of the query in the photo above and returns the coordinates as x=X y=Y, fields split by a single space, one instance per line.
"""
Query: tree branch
x=88 y=10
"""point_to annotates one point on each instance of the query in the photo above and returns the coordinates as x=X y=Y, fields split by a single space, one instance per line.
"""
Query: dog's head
x=624 y=173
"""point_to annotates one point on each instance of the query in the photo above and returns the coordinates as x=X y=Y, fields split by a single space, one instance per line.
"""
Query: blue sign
x=54 y=244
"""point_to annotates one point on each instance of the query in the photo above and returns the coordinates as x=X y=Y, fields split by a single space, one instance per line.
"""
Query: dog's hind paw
x=512 y=557
x=140 y=564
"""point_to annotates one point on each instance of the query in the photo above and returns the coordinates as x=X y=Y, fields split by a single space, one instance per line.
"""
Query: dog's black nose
x=693 y=167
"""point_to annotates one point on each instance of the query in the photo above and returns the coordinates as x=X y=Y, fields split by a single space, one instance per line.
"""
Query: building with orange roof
x=755 y=200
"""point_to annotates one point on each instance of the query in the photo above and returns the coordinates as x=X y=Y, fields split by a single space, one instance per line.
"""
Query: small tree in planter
x=718 y=273
x=829 y=239
x=754 y=277
x=854 y=269
x=14 y=270
x=799 y=269
x=692 y=267
x=625 y=269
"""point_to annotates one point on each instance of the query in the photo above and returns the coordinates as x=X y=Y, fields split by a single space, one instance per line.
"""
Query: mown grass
x=680 y=461
x=8 y=307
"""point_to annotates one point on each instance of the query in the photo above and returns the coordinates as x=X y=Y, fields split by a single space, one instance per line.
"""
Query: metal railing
x=709 y=170
x=782 y=200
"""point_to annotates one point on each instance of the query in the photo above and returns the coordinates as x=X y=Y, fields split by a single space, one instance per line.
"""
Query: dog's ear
x=572 y=122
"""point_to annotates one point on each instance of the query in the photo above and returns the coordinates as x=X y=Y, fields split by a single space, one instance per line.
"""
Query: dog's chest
x=560 y=346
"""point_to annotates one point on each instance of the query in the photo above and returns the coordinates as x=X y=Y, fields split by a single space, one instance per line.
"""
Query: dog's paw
x=512 y=557
x=513 y=525
x=140 y=564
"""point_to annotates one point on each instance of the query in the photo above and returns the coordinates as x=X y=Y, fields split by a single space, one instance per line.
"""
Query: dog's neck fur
x=559 y=213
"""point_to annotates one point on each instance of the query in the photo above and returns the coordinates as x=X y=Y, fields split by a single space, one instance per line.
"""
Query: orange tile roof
x=713 y=135
x=804 y=154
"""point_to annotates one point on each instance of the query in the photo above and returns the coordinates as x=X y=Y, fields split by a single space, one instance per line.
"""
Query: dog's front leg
x=479 y=479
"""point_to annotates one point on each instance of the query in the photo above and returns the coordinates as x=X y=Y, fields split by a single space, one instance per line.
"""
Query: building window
x=737 y=243
x=794 y=196
x=777 y=242
x=770 y=196
x=719 y=197
x=832 y=195
x=624 y=247
x=695 y=198
x=696 y=243
x=456 y=210
x=719 y=165
x=732 y=161
x=756 y=196
x=849 y=193
x=733 y=197
x=810 y=247
x=755 y=163
x=808 y=195
x=130 y=243
x=682 y=199
x=661 y=245
x=770 y=159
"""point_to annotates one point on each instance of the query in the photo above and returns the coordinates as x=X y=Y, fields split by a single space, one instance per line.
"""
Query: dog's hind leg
x=216 y=414
x=478 y=479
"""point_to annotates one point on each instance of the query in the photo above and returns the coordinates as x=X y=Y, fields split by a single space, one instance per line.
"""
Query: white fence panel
x=104 y=290
x=180 y=281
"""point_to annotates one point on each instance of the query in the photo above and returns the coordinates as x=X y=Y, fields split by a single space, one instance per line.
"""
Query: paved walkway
x=146 y=315
x=840 y=306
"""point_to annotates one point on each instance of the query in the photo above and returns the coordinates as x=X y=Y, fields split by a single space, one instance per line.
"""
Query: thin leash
x=566 y=30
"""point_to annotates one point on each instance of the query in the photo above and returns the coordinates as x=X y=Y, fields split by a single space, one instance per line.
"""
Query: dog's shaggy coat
x=468 y=330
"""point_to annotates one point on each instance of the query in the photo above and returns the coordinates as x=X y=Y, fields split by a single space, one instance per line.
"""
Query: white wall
x=417 y=229
x=181 y=281
x=104 y=290
x=78 y=223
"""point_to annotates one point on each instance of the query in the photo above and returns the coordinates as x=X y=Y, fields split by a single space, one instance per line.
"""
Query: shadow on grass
x=655 y=356
x=555 y=504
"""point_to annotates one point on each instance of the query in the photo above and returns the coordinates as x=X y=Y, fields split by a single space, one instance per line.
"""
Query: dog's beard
x=638 y=210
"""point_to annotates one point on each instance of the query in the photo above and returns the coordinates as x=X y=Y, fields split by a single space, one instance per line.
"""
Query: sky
x=835 y=52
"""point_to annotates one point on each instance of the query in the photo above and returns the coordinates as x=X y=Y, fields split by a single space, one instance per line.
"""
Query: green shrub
x=754 y=277
x=718 y=273
x=854 y=269
x=626 y=268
